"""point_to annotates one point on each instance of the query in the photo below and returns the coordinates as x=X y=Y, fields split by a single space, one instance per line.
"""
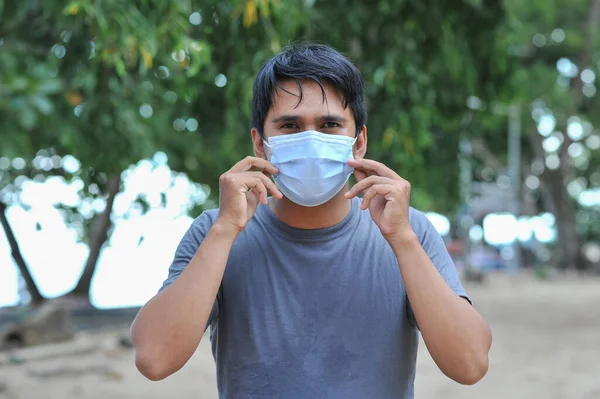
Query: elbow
x=158 y=356
x=148 y=362
x=155 y=361
x=151 y=367
x=476 y=364
x=473 y=371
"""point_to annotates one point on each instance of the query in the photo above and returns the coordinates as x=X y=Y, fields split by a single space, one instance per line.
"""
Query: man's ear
x=258 y=144
x=360 y=147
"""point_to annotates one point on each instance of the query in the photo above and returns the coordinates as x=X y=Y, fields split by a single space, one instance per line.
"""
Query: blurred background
x=117 y=118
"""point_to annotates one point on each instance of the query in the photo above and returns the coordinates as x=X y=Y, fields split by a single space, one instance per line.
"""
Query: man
x=312 y=292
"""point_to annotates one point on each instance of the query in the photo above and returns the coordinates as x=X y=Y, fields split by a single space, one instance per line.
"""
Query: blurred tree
x=112 y=82
x=556 y=60
x=420 y=60
x=90 y=80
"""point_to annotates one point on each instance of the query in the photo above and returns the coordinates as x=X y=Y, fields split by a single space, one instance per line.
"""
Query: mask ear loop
x=356 y=137
x=267 y=150
x=352 y=147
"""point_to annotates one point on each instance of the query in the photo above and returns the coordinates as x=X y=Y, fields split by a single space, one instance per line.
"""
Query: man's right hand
x=185 y=306
x=240 y=190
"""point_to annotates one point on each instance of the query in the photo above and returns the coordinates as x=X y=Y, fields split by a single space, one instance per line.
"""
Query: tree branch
x=547 y=177
x=36 y=297
x=24 y=47
x=585 y=60
x=481 y=151
x=98 y=236
x=585 y=57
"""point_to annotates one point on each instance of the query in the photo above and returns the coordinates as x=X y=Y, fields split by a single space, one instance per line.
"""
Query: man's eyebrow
x=296 y=118
x=286 y=118
x=334 y=118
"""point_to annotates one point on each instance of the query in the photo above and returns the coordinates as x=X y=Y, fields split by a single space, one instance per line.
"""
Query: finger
x=270 y=186
x=373 y=167
x=256 y=186
x=254 y=163
x=365 y=184
x=268 y=183
x=252 y=198
x=360 y=174
x=377 y=189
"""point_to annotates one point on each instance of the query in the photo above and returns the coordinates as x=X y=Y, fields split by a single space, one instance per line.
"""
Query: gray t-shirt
x=314 y=313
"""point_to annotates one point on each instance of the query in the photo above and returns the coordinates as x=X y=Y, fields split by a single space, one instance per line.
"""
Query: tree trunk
x=586 y=56
x=36 y=296
x=569 y=243
x=556 y=200
x=98 y=236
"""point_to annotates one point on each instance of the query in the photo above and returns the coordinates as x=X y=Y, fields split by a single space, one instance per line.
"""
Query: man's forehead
x=301 y=90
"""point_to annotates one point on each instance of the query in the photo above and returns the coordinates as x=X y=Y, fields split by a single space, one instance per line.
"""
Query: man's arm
x=168 y=329
x=456 y=335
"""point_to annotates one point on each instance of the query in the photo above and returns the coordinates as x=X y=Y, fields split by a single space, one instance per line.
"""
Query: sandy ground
x=546 y=345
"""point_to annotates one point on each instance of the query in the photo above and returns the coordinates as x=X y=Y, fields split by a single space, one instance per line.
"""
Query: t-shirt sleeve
x=186 y=249
x=434 y=246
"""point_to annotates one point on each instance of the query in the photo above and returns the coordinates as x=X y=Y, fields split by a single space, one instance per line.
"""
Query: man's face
x=327 y=115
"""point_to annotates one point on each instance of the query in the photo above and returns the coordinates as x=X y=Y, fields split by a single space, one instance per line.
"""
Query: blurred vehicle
x=484 y=257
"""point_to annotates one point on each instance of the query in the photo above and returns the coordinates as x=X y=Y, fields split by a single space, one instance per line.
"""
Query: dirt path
x=546 y=345
x=546 y=342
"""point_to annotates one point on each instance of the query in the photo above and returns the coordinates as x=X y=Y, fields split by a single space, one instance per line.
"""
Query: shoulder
x=428 y=235
x=203 y=222
x=422 y=226
x=209 y=215
x=419 y=221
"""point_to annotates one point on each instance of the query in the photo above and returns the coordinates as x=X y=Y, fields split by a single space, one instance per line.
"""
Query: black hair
x=315 y=62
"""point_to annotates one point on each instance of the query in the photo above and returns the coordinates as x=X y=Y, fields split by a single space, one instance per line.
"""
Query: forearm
x=456 y=335
x=168 y=329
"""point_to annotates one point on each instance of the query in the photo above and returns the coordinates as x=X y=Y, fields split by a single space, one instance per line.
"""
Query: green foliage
x=112 y=82
x=420 y=63
x=87 y=78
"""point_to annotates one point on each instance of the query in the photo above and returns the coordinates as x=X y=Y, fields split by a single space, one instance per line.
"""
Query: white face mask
x=313 y=167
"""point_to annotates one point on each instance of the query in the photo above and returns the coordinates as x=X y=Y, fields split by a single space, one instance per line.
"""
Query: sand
x=546 y=345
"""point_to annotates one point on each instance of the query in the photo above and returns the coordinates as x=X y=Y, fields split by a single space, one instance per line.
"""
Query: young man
x=312 y=292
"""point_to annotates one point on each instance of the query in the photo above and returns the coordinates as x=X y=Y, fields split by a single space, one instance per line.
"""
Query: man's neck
x=318 y=217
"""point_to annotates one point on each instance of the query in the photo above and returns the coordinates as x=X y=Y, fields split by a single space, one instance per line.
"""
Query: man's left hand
x=386 y=195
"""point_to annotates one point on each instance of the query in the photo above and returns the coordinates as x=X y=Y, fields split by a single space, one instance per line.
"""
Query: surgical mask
x=313 y=167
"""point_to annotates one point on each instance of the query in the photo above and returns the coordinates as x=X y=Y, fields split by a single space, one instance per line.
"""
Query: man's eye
x=330 y=125
x=289 y=126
